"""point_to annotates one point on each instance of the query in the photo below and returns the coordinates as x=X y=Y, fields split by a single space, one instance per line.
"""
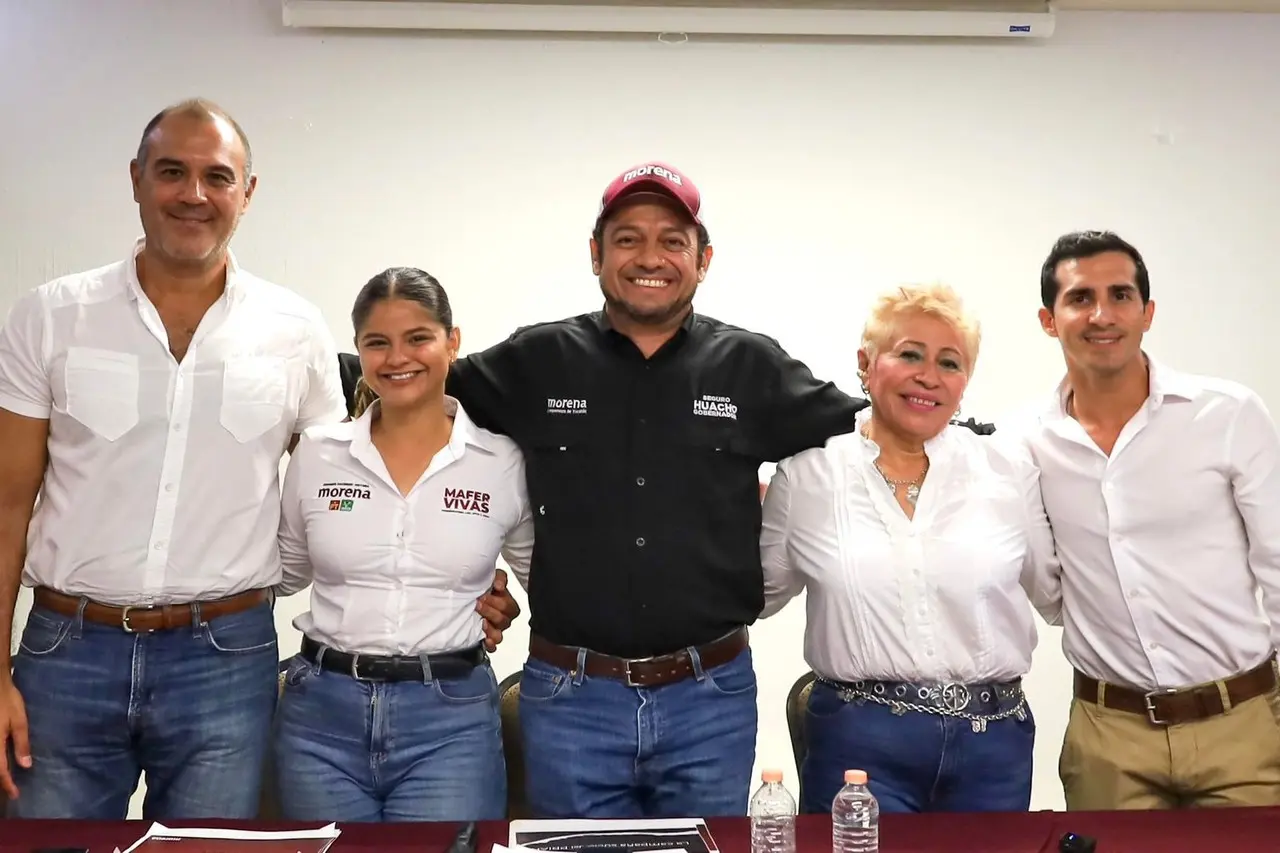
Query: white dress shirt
x=163 y=477
x=940 y=597
x=1166 y=543
x=393 y=573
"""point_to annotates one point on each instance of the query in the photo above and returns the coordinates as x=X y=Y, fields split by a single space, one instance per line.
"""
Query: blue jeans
x=189 y=707
x=377 y=751
x=916 y=762
x=596 y=748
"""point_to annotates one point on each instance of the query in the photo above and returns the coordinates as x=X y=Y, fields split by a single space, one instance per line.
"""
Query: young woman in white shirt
x=396 y=519
x=919 y=543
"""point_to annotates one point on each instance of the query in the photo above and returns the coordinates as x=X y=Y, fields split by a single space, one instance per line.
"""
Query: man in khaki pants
x=1163 y=490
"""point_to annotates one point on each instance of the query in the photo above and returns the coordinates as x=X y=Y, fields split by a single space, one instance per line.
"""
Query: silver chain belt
x=949 y=699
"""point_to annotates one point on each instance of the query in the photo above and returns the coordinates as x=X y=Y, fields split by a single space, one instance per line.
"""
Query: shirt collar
x=602 y=324
x=931 y=446
x=1163 y=382
x=233 y=288
x=465 y=433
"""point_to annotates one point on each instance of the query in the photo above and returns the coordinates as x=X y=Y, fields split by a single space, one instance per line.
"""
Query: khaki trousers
x=1118 y=760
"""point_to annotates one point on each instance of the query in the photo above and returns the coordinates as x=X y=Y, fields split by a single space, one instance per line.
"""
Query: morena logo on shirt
x=343 y=496
x=466 y=501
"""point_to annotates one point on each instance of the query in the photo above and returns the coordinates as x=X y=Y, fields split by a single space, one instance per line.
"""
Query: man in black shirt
x=644 y=427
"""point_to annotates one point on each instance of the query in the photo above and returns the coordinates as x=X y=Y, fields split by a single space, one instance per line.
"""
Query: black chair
x=349 y=370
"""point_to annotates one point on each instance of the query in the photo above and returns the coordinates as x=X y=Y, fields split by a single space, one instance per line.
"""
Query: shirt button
x=168 y=487
x=640 y=541
x=177 y=427
x=159 y=546
x=1153 y=646
x=639 y=481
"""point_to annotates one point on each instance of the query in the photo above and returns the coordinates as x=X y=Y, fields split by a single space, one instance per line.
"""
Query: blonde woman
x=919 y=543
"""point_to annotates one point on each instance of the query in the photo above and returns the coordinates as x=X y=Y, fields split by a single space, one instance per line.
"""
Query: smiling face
x=916 y=381
x=405 y=353
x=1099 y=317
x=191 y=190
x=648 y=262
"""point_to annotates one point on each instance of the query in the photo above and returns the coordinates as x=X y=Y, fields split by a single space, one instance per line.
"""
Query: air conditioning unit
x=885 y=18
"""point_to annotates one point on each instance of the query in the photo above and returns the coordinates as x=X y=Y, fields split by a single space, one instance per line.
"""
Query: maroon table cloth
x=1255 y=830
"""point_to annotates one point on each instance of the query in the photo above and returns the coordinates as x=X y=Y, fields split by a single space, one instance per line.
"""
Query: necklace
x=912 y=486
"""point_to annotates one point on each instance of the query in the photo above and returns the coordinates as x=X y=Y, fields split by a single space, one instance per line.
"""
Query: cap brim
x=649 y=191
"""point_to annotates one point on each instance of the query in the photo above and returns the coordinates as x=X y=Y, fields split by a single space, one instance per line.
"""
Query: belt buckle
x=1148 y=699
x=626 y=669
x=124 y=619
x=355 y=667
x=954 y=697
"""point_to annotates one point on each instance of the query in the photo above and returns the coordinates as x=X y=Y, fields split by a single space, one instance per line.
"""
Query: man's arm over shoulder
x=802 y=410
x=491 y=384
x=1253 y=448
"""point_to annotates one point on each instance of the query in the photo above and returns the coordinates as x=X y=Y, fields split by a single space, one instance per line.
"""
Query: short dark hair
x=1087 y=244
x=408 y=283
x=704 y=238
x=195 y=108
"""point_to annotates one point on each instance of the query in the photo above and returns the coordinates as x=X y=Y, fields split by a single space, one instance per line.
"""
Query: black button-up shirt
x=643 y=474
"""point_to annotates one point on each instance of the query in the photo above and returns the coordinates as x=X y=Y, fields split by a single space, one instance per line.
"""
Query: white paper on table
x=622 y=835
x=327 y=834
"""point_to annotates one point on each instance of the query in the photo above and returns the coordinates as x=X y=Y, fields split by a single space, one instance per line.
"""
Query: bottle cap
x=855 y=777
x=771 y=776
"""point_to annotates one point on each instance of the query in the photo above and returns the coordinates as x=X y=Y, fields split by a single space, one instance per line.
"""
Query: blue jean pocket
x=474 y=688
x=541 y=682
x=735 y=678
x=44 y=633
x=243 y=633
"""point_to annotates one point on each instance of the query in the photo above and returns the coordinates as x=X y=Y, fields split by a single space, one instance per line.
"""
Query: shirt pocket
x=254 y=390
x=102 y=390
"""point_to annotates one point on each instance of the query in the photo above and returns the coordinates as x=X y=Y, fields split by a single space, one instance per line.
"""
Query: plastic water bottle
x=773 y=816
x=855 y=816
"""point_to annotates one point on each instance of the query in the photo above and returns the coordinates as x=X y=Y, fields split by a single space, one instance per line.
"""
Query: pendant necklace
x=912 y=486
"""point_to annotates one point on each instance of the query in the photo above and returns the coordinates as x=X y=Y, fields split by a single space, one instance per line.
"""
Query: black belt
x=445 y=665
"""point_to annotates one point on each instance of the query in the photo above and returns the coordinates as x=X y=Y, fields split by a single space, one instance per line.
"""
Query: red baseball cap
x=653 y=178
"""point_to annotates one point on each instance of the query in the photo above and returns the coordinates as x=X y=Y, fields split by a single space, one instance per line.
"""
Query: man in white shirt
x=1163 y=490
x=148 y=403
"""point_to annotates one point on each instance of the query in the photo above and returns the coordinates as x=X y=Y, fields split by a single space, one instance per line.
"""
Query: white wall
x=830 y=170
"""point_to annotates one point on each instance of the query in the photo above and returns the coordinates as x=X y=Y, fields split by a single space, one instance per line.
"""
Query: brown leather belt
x=1171 y=707
x=147 y=618
x=642 y=672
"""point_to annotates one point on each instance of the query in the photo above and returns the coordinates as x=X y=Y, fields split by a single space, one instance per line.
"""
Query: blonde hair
x=931 y=300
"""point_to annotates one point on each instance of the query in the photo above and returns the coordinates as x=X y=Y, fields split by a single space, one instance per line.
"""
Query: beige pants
x=1117 y=760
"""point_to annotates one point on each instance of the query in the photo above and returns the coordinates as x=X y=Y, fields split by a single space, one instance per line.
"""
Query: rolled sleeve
x=24 y=374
